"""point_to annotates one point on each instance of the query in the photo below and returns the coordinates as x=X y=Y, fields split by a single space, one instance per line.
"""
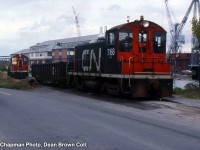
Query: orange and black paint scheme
x=131 y=60
x=18 y=66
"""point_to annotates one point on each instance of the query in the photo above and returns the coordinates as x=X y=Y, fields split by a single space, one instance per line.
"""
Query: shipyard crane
x=180 y=27
x=175 y=42
x=77 y=23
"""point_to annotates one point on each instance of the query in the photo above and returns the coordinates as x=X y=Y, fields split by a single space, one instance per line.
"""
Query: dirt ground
x=11 y=83
x=3 y=75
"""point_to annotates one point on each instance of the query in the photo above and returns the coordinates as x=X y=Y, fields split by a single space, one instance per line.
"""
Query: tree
x=196 y=28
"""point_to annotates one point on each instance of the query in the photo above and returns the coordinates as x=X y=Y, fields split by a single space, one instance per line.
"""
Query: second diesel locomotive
x=130 y=60
x=18 y=67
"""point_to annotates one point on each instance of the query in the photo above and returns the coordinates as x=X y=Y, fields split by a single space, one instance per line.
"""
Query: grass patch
x=189 y=93
x=7 y=82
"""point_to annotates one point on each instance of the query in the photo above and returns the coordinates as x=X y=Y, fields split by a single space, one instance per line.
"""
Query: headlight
x=145 y=24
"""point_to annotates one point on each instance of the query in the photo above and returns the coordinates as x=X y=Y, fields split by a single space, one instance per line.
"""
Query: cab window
x=125 y=40
x=20 y=62
x=111 y=39
x=25 y=60
x=142 y=36
x=14 y=61
x=159 y=42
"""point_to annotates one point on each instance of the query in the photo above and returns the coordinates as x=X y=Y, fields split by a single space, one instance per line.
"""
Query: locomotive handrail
x=154 y=58
x=129 y=65
x=153 y=64
x=146 y=60
x=122 y=60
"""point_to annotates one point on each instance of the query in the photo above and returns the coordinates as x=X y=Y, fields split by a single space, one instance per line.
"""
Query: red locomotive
x=130 y=60
x=19 y=66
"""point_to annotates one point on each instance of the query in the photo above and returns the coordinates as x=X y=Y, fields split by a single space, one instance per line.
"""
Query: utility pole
x=77 y=23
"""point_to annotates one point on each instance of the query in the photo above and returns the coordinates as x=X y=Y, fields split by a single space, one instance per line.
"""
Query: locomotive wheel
x=79 y=83
x=113 y=89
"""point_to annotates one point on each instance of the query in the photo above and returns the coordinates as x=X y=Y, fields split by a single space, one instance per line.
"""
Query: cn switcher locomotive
x=18 y=67
x=131 y=59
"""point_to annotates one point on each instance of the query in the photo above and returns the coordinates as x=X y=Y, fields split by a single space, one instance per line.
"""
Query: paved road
x=73 y=120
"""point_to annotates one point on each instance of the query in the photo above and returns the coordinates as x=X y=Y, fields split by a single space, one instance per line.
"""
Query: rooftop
x=53 y=44
x=24 y=51
x=64 y=43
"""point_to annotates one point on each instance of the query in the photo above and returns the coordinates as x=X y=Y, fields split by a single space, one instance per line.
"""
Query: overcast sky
x=24 y=23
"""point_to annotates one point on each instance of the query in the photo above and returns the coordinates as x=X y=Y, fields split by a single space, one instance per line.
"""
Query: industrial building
x=180 y=61
x=55 y=50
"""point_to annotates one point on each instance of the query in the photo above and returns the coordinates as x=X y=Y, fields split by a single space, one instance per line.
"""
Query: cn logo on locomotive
x=90 y=56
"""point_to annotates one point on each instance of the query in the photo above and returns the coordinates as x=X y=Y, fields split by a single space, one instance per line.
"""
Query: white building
x=44 y=52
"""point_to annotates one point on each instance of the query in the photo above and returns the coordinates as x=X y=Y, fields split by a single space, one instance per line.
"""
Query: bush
x=190 y=91
x=192 y=86
x=178 y=90
x=3 y=68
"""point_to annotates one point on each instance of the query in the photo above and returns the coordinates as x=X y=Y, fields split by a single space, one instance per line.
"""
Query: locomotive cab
x=136 y=52
x=139 y=48
x=19 y=66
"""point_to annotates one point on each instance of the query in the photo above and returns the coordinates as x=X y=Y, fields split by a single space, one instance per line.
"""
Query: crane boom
x=77 y=23
x=168 y=17
x=184 y=20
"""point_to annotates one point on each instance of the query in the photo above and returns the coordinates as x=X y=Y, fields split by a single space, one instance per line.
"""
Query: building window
x=37 y=54
x=49 y=54
x=60 y=53
x=40 y=54
x=71 y=53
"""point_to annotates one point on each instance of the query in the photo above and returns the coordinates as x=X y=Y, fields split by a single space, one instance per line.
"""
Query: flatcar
x=18 y=67
x=131 y=59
